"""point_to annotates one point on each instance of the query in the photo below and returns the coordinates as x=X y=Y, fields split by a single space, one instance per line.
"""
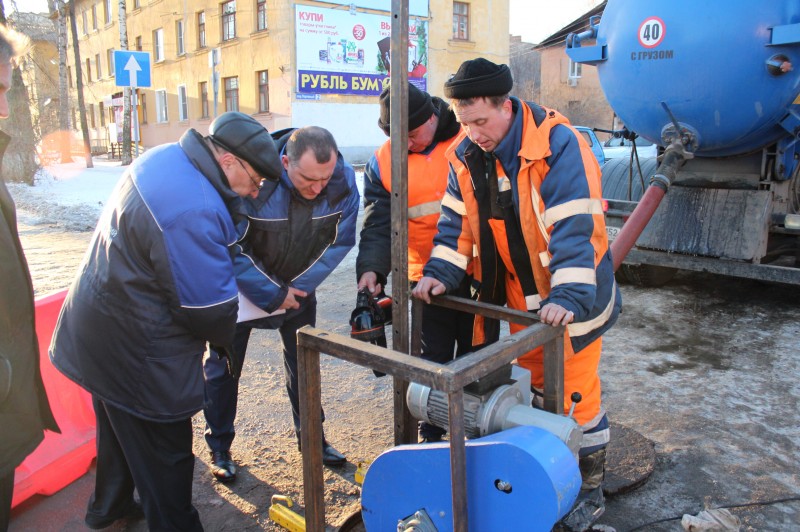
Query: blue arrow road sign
x=131 y=69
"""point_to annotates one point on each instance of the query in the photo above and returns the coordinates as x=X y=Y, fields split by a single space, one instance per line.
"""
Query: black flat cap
x=247 y=139
x=477 y=78
x=420 y=108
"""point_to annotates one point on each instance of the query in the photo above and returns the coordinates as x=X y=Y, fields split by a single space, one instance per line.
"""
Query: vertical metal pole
x=405 y=426
x=311 y=435
x=458 y=461
x=416 y=327
x=136 y=133
x=554 y=375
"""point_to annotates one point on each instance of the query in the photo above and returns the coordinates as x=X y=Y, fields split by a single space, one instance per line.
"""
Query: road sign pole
x=135 y=122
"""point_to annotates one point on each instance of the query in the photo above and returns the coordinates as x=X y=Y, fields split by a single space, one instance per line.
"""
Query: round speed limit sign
x=651 y=32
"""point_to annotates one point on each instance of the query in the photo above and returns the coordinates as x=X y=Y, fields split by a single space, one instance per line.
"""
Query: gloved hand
x=231 y=359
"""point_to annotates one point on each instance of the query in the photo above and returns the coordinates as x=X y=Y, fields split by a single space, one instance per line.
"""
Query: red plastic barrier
x=61 y=458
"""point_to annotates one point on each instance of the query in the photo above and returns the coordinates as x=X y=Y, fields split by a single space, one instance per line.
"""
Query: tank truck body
x=713 y=84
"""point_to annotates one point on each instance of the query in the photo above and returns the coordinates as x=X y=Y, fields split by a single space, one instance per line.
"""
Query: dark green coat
x=24 y=410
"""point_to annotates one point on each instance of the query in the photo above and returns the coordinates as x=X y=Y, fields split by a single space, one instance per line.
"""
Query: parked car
x=591 y=139
x=616 y=147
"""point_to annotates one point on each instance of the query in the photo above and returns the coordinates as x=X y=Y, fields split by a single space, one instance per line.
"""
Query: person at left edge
x=156 y=284
x=24 y=410
x=300 y=229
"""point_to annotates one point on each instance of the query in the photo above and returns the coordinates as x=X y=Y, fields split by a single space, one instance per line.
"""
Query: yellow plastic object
x=361 y=470
x=285 y=517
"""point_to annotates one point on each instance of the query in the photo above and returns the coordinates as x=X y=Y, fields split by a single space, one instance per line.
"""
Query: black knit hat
x=420 y=108
x=477 y=78
x=246 y=138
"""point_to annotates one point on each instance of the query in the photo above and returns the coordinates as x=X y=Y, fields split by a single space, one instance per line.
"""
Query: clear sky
x=536 y=20
x=532 y=19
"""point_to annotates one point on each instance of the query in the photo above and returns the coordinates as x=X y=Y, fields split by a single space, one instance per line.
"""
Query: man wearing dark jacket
x=156 y=284
x=431 y=128
x=24 y=411
x=300 y=228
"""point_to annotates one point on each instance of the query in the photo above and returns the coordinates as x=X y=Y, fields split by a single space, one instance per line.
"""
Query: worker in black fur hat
x=156 y=286
x=524 y=188
x=431 y=128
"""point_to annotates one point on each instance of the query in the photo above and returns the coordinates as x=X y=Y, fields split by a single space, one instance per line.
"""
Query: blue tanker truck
x=714 y=84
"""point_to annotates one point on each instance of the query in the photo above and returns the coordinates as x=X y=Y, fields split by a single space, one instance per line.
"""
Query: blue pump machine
x=522 y=467
x=719 y=81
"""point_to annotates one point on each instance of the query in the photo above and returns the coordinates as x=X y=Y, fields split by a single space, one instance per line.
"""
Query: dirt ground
x=706 y=368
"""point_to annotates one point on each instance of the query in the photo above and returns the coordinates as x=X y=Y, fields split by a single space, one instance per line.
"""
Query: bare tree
x=126 y=100
x=59 y=11
x=19 y=162
x=79 y=85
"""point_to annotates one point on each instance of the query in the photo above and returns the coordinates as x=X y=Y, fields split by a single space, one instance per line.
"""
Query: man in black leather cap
x=156 y=285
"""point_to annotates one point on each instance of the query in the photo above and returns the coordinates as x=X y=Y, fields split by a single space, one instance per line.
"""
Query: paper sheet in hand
x=249 y=311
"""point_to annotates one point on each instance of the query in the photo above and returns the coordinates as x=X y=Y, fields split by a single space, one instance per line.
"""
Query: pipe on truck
x=673 y=159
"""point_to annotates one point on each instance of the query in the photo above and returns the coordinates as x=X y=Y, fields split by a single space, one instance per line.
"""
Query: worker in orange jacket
x=524 y=191
x=432 y=126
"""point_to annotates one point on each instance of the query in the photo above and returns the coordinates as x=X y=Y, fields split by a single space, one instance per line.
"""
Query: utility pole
x=126 y=91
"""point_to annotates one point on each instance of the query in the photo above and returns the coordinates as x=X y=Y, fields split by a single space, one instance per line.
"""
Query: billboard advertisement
x=341 y=52
x=415 y=7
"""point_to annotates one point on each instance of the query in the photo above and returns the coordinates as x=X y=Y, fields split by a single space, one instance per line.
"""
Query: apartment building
x=288 y=64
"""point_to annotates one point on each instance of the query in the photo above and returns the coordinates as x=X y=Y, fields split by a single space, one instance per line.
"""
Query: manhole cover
x=630 y=460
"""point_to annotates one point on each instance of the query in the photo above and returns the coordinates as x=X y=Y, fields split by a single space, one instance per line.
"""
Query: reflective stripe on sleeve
x=532 y=302
x=574 y=275
x=585 y=327
x=544 y=257
x=535 y=200
x=571 y=208
x=453 y=257
x=424 y=209
x=455 y=205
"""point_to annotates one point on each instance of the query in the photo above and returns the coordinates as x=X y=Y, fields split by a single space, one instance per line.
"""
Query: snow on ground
x=68 y=196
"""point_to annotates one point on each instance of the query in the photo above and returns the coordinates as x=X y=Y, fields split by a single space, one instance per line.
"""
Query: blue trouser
x=222 y=391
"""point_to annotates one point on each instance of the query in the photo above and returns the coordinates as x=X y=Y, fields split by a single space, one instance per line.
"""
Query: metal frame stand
x=450 y=378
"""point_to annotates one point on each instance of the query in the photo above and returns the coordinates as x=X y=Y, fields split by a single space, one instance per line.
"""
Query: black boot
x=590 y=503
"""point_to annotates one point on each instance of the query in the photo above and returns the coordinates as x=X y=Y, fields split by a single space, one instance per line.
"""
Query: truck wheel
x=621 y=184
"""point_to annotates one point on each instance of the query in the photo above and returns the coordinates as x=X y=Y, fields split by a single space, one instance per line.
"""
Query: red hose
x=636 y=223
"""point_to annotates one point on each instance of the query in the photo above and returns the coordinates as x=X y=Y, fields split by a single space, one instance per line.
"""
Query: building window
x=97 y=70
x=102 y=112
x=111 y=65
x=179 y=37
x=203 y=90
x=138 y=43
x=261 y=15
x=460 y=21
x=158 y=44
x=161 y=106
x=143 y=100
x=201 y=29
x=90 y=112
x=231 y=93
x=574 y=70
x=229 y=20
x=69 y=76
x=94 y=17
x=107 y=12
x=183 y=104
x=263 y=91
x=136 y=4
x=88 y=70
x=83 y=21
